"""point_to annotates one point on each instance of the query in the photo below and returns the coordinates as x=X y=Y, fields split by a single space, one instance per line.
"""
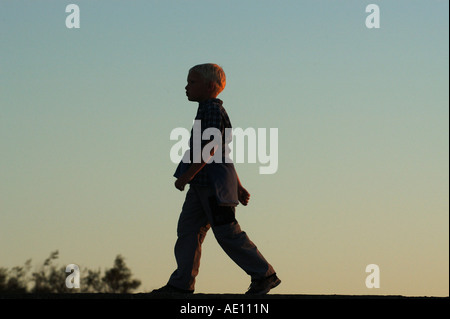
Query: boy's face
x=197 y=89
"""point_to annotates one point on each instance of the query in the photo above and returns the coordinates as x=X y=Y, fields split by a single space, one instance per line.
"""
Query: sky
x=363 y=137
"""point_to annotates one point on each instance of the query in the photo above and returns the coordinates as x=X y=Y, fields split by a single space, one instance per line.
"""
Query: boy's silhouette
x=214 y=192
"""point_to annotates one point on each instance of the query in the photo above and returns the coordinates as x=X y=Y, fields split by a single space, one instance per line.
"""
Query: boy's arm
x=193 y=169
x=181 y=182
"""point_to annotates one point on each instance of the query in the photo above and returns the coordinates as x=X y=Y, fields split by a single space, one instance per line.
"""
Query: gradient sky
x=362 y=117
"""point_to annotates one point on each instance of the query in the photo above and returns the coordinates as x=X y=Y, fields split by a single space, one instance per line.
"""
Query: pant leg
x=191 y=230
x=235 y=242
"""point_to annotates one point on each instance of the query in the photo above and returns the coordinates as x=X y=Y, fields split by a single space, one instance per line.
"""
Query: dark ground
x=200 y=296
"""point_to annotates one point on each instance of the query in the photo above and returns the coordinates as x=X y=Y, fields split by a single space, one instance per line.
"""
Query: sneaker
x=168 y=289
x=263 y=286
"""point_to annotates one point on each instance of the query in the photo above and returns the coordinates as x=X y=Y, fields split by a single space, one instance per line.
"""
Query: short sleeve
x=212 y=118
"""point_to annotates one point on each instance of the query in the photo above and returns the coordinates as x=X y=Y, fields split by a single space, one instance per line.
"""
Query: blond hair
x=211 y=73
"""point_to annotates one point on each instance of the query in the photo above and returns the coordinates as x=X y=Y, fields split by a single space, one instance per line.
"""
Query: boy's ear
x=211 y=86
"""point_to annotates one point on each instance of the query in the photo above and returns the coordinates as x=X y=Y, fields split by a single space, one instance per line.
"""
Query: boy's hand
x=180 y=183
x=243 y=195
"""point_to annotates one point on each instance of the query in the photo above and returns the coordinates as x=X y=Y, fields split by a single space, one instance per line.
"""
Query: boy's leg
x=192 y=228
x=233 y=240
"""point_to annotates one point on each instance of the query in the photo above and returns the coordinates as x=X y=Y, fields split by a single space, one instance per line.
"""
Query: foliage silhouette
x=50 y=278
x=118 y=279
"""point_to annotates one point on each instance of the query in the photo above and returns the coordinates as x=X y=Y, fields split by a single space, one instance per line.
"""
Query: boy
x=214 y=192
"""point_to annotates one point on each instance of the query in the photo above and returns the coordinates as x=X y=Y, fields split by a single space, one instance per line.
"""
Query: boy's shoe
x=263 y=286
x=168 y=289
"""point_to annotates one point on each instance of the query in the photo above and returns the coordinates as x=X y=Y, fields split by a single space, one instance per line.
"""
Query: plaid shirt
x=211 y=114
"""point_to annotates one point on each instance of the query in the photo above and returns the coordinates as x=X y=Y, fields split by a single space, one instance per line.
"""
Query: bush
x=49 y=278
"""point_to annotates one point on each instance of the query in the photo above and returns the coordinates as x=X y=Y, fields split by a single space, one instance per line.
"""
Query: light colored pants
x=200 y=212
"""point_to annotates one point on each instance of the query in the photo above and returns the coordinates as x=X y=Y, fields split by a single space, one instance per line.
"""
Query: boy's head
x=205 y=81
